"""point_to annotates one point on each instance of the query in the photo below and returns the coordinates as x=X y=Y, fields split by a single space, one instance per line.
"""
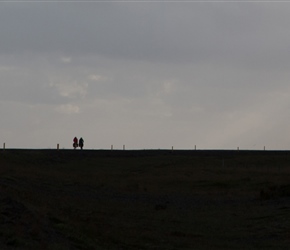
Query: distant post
x=172 y=148
x=57 y=146
x=111 y=147
x=194 y=147
x=264 y=148
x=4 y=146
x=238 y=148
x=123 y=147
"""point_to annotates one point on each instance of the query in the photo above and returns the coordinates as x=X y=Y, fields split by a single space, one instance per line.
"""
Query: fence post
x=264 y=148
x=57 y=146
x=4 y=146
x=194 y=147
x=123 y=147
x=172 y=148
x=111 y=147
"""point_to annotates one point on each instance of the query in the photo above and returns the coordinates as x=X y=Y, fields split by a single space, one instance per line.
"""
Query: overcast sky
x=147 y=75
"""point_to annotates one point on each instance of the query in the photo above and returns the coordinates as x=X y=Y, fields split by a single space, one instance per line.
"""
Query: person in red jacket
x=75 y=144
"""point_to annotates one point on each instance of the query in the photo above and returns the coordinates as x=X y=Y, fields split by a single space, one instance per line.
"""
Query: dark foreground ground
x=151 y=199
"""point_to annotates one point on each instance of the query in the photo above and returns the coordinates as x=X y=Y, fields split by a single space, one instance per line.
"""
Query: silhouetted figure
x=75 y=144
x=81 y=143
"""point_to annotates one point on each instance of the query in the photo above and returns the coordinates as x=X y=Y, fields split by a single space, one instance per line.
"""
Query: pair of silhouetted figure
x=78 y=143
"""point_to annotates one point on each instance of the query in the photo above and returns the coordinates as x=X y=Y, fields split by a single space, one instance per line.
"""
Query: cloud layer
x=145 y=74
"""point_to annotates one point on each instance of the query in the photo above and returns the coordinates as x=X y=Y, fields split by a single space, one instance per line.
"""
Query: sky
x=145 y=74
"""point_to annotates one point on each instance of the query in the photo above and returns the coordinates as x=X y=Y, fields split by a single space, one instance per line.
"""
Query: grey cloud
x=189 y=32
x=145 y=73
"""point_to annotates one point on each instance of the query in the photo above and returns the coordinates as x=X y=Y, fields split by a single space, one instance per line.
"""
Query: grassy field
x=144 y=199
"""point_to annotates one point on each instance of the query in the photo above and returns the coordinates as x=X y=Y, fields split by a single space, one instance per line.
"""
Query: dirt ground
x=144 y=200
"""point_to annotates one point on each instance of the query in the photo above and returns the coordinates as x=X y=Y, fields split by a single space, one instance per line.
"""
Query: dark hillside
x=144 y=199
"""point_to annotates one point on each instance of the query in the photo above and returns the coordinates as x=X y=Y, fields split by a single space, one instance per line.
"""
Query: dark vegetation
x=151 y=199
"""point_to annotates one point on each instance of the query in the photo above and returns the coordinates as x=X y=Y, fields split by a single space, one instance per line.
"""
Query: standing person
x=81 y=142
x=75 y=144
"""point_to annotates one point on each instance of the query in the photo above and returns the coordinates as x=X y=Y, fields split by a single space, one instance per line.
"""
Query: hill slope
x=147 y=199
